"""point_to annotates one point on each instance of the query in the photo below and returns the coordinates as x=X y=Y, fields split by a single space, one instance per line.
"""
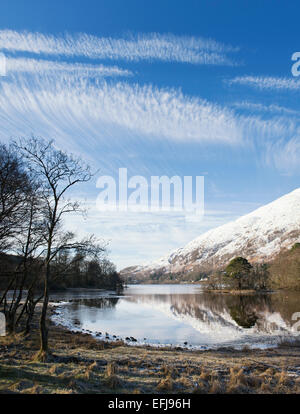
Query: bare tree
x=56 y=172
x=28 y=247
x=14 y=190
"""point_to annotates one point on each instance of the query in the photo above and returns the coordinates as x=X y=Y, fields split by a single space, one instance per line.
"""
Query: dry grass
x=166 y=384
x=204 y=375
x=216 y=387
x=111 y=380
x=81 y=364
x=111 y=369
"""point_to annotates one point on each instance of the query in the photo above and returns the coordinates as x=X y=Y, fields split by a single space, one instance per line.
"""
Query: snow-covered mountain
x=257 y=236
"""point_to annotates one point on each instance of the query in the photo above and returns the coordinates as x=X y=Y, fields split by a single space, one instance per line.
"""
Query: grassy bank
x=82 y=364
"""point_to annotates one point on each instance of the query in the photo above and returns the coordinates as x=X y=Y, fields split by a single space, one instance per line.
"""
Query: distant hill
x=258 y=236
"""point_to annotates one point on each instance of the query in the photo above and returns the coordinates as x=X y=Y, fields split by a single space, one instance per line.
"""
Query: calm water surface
x=175 y=314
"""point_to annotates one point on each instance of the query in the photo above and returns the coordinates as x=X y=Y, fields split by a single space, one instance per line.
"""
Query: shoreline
x=239 y=292
x=133 y=342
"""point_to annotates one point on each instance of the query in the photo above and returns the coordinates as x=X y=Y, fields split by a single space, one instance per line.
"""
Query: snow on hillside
x=258 y=235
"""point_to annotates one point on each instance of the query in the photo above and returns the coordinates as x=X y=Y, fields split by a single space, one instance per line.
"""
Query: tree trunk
x=9 y=323
x=43 y=322
x=28 y=322
x=30 y=308
x=43 y=352
x=44 y=328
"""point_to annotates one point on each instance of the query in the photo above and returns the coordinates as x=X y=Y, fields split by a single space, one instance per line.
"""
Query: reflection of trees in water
x=79 y=314
x=100 y=303
x=252 y=310
x=246 y=310
x=243 y=314
x=286 y=303
x=235 y=311
x=202 y=307
x=90 y=306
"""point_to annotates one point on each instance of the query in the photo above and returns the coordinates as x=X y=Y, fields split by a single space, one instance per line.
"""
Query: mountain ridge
x=257 y=236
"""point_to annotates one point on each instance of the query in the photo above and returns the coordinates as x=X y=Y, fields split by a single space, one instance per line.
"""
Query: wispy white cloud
x=90 y=108
x=57 y=68
x=99 y=114
x=284 y=154
x=272 y=109
x=267 y=82
x=121 y=119
x=280 y=146
x=153 y=46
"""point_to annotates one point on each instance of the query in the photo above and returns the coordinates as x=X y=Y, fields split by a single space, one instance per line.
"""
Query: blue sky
x=161 y=88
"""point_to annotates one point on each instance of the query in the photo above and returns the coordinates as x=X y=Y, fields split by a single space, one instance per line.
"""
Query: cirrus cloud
x=153 y=46
x=41 y=66
x=68 y=103
x=266 y=82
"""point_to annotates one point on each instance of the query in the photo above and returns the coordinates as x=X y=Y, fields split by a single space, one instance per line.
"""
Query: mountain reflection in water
x=174 y=314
